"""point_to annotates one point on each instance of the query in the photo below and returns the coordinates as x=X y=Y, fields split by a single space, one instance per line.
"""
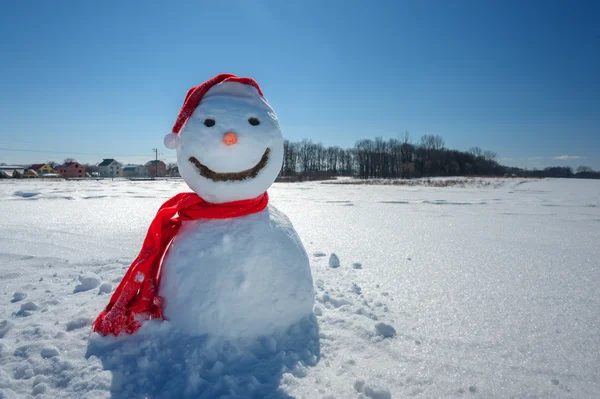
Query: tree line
x=402 y=158
x=396 y=158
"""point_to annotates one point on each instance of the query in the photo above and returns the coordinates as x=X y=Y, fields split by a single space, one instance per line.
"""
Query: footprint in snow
x=27 y=308
x=385 y=330
x=319 y=254
x=18 y=296
x=357 y=265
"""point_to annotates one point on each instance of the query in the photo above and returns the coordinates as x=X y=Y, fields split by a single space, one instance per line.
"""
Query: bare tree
x=583 y=169
x=90 y=168
x=476 y=151
x=490 y=156
x=432 y=142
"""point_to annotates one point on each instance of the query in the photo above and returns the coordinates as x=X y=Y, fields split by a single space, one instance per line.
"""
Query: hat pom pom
x=172 y=141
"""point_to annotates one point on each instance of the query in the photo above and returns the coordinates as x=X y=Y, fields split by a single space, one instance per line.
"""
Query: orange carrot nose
x=230 y=138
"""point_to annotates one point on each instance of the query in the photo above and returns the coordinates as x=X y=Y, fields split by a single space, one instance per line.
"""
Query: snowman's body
x=241 y=277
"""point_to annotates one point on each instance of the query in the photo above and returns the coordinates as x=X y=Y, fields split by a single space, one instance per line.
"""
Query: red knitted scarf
x=136 y=298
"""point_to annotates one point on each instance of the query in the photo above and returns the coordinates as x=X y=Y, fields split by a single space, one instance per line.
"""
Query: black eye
x=209 y=122
x=253 y=121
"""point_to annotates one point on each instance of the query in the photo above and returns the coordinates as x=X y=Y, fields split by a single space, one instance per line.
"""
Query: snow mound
x=161 y=361
x=334 y=261
x=49 y=351
x=40 y=388
x=105 y=288
x=87 y=282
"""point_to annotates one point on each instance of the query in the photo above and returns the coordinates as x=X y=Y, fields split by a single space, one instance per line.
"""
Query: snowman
x=221 y=260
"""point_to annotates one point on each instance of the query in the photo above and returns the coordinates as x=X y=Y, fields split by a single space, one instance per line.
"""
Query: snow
x=492 y=293
x=241 y=277
x=105 y=288
x=89 y=281
x=49 y=351
x=19 y=296
x=5 y=325
x=334 y=261
x=385 y=330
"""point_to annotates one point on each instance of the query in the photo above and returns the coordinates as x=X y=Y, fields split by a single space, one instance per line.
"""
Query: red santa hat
x=193 y=98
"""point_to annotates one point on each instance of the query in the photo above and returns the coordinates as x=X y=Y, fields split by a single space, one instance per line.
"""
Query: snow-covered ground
x=475 y=291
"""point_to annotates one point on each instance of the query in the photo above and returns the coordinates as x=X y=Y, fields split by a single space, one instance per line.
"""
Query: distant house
x=11 y=170
x=30 y=174
x=110 y=168
x=71 y=170
x=135 y=171
x=156 y=169
x=42 y=169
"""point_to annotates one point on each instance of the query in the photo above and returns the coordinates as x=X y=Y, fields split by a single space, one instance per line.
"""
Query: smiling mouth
x=232 y=176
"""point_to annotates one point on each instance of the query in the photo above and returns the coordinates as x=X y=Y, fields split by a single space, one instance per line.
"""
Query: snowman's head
x=228 y=140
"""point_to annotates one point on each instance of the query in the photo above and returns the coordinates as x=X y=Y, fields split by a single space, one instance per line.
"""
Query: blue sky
x=90 y=79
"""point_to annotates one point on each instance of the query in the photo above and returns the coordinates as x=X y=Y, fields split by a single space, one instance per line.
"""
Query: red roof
x=37 y=166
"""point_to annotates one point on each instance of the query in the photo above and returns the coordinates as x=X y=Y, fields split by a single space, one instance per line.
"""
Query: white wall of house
x=114 y=169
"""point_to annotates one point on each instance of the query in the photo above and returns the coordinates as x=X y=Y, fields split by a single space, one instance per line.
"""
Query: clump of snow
x=369 y=392
x=87 y=282
x=18 y=296
x=49 y=351
x=255 y=282
x=39 y=388
x=385 y=330
x=334 y=261
x=39 y=379
x=105 y=288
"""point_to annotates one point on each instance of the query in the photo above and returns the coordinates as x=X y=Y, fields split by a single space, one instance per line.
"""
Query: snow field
x=475 y=291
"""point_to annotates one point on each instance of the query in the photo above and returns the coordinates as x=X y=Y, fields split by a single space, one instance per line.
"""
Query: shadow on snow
x=161 y=362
